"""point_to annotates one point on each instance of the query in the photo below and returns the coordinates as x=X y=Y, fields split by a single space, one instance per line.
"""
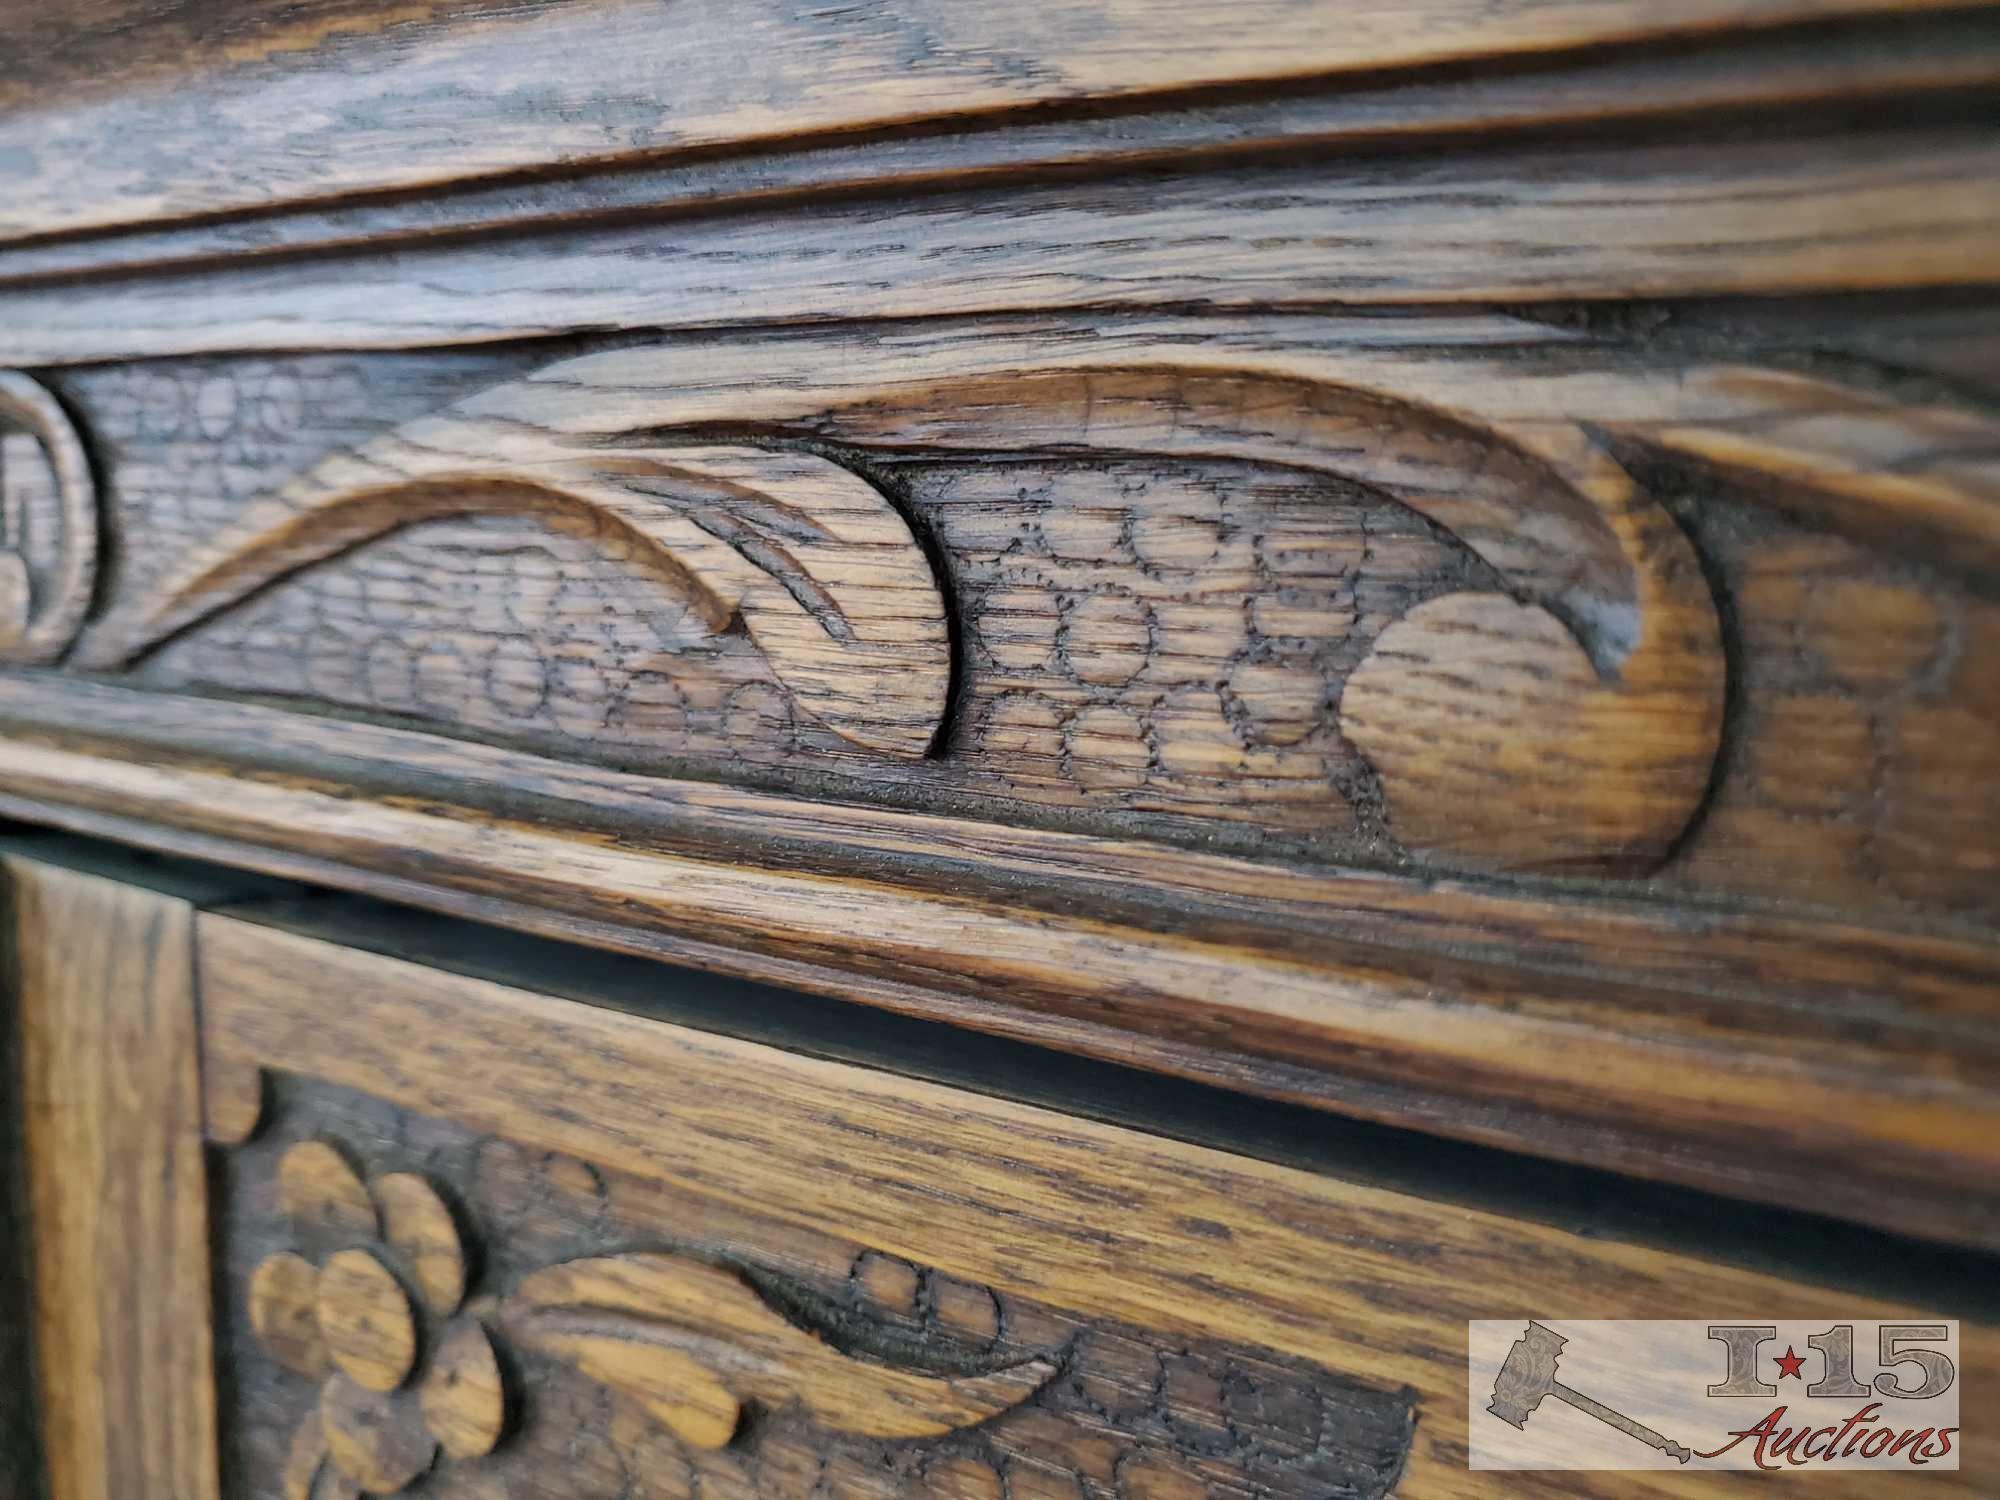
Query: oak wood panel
x=1366 y=1281
x=123 y=1364
x=1748 y=212
x=1621 y=1073
x=432 y=91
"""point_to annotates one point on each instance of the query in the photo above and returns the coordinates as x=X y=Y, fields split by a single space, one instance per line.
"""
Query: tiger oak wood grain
x=118 y=1197
x=1630 y=673
x=1364 y=1281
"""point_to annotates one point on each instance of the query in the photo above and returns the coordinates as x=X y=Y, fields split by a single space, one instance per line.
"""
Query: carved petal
x=308 y=1453
x=377 y=1440
x=463 y=1400
x=822 y=570
x=365 y=1318
x=17 y=597
x=283 y=1290
x=322 y=1194
x=660 y=1328
x=417 y=1225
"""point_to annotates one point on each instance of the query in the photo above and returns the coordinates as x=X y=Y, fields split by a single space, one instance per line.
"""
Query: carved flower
x=381 y=1419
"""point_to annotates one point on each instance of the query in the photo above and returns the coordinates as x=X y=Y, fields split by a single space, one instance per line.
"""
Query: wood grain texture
x=1899 y=61
x=804 y=556
x=365 y=1317
x=317 y=1184
x=284 y=1313
x=1748 y=214
x=22 y=1468
x=455 y=89
x=464 y=1395
x=418 y=1225
x=750 y=1151
x=1651 y=1040
x=123 y=1365
x=642 y=1324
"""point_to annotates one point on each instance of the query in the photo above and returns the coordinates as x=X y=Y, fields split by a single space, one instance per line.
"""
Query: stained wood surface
x=1626 y=697
x=1891 y=60
x=118 y=1196
x=1755 y=213
x=755 y=1150
x=457 y=89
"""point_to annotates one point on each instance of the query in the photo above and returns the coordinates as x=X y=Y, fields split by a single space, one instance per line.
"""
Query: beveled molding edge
x=1803 y=1061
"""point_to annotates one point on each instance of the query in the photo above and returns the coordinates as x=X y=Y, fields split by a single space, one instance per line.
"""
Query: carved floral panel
x=408 y=1308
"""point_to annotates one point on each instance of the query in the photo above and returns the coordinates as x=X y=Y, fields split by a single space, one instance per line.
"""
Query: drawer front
x=473 y=1240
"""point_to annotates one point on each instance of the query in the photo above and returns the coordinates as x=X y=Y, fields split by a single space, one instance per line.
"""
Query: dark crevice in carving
x=862 y=1335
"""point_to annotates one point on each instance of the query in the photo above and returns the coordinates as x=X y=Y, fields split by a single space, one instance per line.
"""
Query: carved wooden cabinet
x=906 y=749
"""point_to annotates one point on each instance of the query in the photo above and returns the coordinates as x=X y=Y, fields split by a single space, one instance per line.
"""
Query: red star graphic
x=1789 y=1363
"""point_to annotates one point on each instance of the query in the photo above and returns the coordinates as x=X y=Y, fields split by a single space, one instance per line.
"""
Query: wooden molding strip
x=451 y=92
x=1747 y=213
x=1691 y=80
x=118 y=1188
x=1643 y=1073
x=1369 y=1282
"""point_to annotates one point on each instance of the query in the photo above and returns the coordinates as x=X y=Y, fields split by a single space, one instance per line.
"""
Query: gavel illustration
x=1529 y=1374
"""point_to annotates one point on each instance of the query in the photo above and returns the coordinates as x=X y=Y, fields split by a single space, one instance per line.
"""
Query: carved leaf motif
x=690 y=1343
x=1598 y=566
x=822 y=571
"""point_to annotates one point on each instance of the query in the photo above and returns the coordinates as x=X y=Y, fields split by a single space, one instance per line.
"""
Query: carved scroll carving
x=48 y=525
x=1561 y=714
x=818 y=566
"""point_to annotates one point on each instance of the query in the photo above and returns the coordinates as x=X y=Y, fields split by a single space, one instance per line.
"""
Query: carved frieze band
x=1263 y=574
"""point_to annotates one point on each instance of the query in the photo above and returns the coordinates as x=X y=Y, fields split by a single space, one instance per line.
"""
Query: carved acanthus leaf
x=820 y=568
x=691 y=1343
